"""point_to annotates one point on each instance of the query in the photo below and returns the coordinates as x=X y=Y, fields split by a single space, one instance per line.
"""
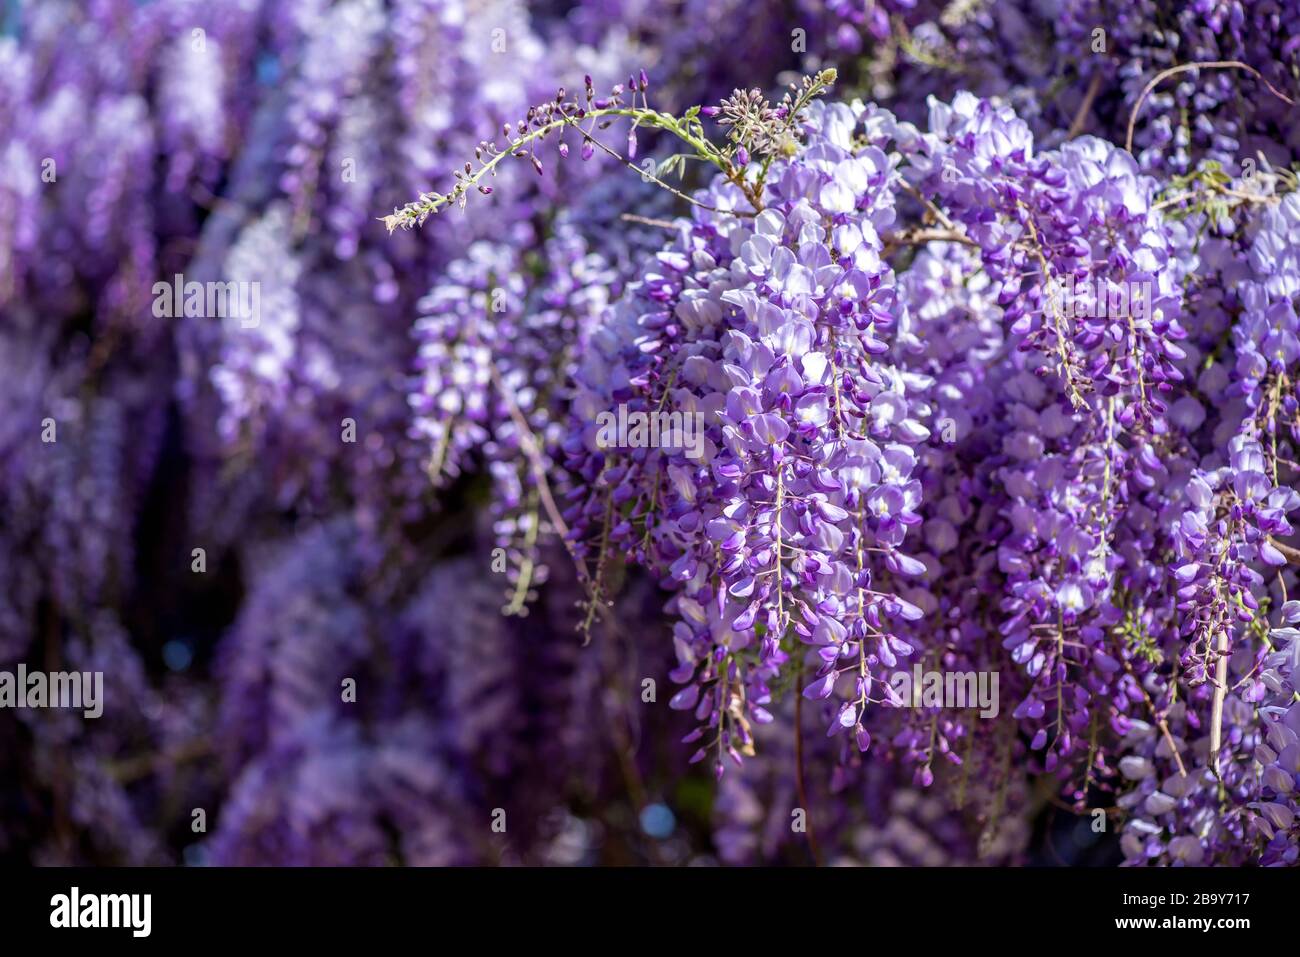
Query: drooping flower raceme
x=790 y=518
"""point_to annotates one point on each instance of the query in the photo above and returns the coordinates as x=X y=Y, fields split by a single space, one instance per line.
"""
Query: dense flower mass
x=784 y=432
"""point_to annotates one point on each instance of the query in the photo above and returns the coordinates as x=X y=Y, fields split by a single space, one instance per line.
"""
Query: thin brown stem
x=129 y=770
x=651 y=176
x=1292 y=555
x=532 y=451
x=647 y=221
x=1161 y=723
x=1085 y=108
x=1185 y=67
x=919 y=237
